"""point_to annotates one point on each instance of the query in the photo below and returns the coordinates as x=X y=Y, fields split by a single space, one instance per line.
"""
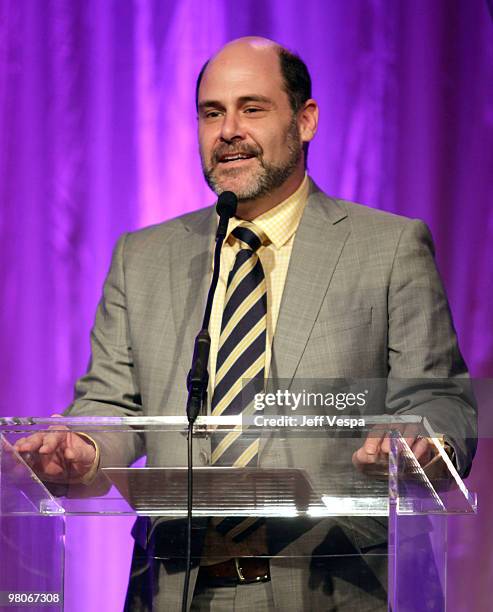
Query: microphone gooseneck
x=198 y=377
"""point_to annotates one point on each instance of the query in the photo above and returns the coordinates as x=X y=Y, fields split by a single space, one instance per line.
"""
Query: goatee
x=266 y=178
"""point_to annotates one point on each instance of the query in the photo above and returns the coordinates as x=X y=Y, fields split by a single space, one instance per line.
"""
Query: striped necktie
x=240 y=367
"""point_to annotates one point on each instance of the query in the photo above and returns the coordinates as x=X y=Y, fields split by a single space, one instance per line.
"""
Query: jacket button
x=203 y=458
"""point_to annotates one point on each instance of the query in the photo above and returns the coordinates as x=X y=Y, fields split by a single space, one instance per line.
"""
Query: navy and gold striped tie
x=240 y=367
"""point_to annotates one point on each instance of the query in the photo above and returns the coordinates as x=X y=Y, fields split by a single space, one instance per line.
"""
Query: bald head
x=258 y=43
x=294 y=76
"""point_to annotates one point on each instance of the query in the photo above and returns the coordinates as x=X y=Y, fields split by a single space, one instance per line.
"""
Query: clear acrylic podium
x=305 y=485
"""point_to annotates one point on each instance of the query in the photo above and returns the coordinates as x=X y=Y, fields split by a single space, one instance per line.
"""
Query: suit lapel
x=317 y=247
x=191 y=257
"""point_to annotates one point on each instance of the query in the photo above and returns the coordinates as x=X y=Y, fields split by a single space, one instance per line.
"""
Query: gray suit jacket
x=362 y=299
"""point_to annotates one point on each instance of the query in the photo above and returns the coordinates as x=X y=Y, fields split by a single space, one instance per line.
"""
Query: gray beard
x=270 y=176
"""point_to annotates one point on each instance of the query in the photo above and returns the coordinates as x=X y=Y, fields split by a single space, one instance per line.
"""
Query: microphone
x=198 y=377
x=227 y=203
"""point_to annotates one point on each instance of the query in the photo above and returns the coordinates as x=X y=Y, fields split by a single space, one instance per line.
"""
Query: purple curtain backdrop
x=98 y=136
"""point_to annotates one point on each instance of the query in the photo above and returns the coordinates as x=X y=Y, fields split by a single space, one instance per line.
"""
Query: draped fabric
x=98 y=137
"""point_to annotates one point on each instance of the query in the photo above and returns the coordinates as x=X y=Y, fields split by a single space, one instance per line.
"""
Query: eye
x=212 y=114
x=253 y=109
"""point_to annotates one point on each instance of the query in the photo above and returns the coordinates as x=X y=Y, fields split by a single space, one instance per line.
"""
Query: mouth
x=235 y=159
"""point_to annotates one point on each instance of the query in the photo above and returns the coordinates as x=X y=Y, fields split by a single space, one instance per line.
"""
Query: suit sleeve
x=110 y=386
x=428 y=376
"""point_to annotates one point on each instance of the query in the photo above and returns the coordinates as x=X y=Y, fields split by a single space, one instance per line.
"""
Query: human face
x=248 y=135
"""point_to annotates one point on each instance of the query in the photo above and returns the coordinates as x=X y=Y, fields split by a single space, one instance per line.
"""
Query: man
x=350 y=293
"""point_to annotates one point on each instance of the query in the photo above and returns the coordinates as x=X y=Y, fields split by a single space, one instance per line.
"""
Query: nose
x=231 y=127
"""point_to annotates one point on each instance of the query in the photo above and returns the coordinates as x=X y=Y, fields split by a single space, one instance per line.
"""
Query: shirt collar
x=281 y=222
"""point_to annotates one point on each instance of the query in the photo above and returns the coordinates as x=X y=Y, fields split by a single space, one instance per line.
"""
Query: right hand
x=57 y=455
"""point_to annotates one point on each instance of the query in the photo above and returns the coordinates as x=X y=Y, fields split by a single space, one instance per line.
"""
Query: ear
x=308 y=120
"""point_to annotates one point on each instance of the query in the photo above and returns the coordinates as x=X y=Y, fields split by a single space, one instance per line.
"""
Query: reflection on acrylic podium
x=399 y=502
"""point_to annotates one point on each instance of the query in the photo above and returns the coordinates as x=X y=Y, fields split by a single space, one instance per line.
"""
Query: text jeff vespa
x=307 y=421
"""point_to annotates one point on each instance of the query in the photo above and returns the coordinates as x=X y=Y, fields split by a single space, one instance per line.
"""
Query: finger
x=49 y=467
x=80 y=456
x=51 y=441
x=361 y=457
x=29 y=444
x=385 y=446
x=54 y=466
x=410 y=434
x=423 y=451
x=396 y=427
x=373 y=440
x=79 y=450
x=388 y=437
x=407 y=432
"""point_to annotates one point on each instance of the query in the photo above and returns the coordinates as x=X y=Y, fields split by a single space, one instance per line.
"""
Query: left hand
x=373 y=456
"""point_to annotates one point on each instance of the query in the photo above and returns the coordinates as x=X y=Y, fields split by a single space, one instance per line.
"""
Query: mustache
x=225 y=149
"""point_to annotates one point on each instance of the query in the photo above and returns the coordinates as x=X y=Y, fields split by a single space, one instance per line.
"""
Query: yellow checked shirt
x=280 y=225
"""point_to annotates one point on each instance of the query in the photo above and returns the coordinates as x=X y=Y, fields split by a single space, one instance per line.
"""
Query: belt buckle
x=241 y=577
x=239 y=571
